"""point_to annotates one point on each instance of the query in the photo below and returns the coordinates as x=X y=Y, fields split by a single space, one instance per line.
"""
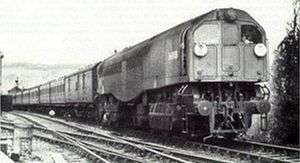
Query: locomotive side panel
x=111 y=80
x=152 y=64
x=172 y=57
x=132 y=76
x=163 y=64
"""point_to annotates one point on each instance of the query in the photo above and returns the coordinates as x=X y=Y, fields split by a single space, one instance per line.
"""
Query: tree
x=285 y=129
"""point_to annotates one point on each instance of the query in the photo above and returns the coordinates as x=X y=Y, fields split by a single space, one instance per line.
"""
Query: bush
x=285 y=129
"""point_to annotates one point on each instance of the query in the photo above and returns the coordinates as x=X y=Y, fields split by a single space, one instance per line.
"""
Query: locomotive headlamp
x=204 y=107
x=260 y=50
x=263 y=106
x=200 y=49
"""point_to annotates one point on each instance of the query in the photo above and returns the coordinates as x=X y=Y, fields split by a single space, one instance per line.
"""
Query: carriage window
x=77 y=83
x=230 y=34
x=208 y=33
x=69 y=82
x=250 y=34
x=83 y=81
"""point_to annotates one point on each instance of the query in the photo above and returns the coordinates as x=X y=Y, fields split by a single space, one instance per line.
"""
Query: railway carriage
x=17 y=98
x=26 y=97
x=45 y=94
x=57 y=96
x=34 y=95
x=80 y=90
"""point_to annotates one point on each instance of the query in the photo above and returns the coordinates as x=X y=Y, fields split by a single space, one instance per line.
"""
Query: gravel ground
x=42 y=152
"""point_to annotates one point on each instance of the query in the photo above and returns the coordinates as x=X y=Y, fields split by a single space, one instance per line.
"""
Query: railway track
x=280 y=153
x=63 y=140
x=245 y=150
x=145 y=153
x=94 y=153
x=239 y=151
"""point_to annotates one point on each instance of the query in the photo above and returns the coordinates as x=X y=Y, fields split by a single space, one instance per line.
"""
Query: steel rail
x=161 y=154
x=89 y=152
x=270 y=145
x=242 y=153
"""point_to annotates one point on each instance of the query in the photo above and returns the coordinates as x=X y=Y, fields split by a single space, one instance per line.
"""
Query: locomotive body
x=169 y=58
x=198 y=78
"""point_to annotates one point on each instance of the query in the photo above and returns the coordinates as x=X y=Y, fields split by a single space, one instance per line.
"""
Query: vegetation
x=285 y=127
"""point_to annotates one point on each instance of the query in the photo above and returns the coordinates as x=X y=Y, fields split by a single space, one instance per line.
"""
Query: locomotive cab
x=223 y=50
x=227 y=58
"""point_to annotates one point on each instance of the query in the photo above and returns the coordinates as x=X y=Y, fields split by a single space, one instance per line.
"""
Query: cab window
x=208 y=34
x=230 y=34
x=250 y=34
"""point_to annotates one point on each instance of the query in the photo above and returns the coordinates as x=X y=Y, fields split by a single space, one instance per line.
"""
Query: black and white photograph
x=149 y=81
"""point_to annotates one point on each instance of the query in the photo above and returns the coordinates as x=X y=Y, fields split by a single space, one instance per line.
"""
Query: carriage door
x=230 y=50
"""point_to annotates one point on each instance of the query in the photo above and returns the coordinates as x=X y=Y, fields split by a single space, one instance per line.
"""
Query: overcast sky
x=87 y=31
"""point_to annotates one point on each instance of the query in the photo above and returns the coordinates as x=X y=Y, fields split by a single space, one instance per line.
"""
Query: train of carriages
x=198 y=78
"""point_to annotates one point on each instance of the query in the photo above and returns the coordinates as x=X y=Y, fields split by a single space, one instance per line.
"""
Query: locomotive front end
x=227 y=59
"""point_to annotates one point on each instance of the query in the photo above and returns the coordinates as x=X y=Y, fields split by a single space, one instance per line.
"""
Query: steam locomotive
x=199 y=78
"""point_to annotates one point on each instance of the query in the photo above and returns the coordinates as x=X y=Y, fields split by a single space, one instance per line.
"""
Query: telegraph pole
x=1 y=57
